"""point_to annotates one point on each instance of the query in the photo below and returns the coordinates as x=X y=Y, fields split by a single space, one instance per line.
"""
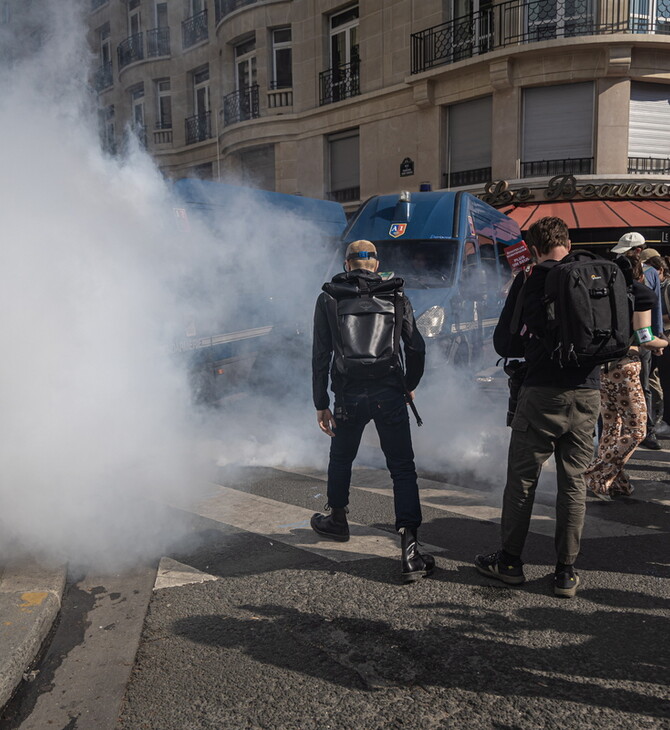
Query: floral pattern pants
x=624 y=415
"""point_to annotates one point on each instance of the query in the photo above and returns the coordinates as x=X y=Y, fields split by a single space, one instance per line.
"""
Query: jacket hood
x=353 y=283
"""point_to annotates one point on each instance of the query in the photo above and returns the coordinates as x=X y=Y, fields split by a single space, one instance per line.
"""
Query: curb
x=30 y=600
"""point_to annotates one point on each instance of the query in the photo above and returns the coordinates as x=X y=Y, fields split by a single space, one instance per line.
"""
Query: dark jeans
x=549 y=420
x=388 y=409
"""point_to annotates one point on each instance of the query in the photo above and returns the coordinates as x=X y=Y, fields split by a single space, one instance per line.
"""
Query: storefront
x=597 y=212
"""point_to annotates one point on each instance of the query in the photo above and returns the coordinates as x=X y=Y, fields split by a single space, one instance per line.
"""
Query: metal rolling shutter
x=558 y=122
x=649 y=120
x=470 y=135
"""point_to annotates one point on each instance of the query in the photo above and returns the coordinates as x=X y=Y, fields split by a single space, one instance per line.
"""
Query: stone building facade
x=328 y=98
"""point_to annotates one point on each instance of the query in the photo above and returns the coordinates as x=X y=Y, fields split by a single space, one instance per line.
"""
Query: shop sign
x=565 y=187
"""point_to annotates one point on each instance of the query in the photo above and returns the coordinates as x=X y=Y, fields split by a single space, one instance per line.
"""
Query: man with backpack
x=359 y=321
x=559 y=401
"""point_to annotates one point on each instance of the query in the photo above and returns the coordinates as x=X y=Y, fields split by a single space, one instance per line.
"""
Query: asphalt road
x=254 y=623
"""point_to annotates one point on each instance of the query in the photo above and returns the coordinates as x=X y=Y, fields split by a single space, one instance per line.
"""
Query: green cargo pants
x=549 y=420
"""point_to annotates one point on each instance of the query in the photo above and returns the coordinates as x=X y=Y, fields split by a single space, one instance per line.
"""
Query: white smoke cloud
x=96 y=282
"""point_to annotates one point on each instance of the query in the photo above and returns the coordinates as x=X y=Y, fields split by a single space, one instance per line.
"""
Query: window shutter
x=558 y=122
x=344 y=161
x=649 y=121
x=470 y=135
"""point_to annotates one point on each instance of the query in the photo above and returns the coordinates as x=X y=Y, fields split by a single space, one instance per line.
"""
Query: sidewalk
x=30 y=600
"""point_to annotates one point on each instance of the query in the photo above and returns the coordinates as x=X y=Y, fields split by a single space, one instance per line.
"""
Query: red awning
x=595 y=213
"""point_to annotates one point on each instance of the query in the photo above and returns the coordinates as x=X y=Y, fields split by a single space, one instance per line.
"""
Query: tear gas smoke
x=96 y=282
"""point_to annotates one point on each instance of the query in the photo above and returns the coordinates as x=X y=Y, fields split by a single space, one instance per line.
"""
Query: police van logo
x=397 y=229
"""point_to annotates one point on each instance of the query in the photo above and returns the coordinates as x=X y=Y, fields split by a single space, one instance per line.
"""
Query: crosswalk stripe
x=172 y=573
x=477 y=504
x=289 y=525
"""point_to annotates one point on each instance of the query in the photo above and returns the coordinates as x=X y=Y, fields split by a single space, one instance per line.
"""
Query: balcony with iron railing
x=648 y=166
x=158 y=42
x=467 y=177
x=549 y=168
x=346 y=195
x=194 y=29
x=340 y=82
x=226 y=7
x=104 y=77
x=131 y=50
x=527 y=21
x=241 y=105
x=198 y=128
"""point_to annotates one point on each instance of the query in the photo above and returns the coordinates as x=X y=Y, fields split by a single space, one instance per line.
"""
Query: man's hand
x=326 y=421
x=411 y=395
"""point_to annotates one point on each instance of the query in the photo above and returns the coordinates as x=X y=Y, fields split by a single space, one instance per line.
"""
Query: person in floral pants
x=622 y=402
x=624 y=414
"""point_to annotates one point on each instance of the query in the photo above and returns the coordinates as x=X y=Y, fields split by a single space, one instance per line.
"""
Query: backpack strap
x=399 y=307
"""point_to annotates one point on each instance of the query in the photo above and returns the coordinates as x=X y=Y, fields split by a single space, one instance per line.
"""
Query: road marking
x=477 y=504
x=172 y=573
x=289 y=525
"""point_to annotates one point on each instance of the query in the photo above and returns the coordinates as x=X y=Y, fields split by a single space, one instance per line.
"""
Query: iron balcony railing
x=131 y=50
x=346 y=195
x=340 y=82
x=241 y=105
x=198 y=128
x=549 y=168
x=194 y=29
x=225 y=7
x=158 y=42
x=467 y=177
x=528 y=21
x=95 y=4
x=104 y=77
x=653 y=165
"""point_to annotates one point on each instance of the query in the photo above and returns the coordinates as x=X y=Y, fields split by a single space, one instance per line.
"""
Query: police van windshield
x=422 y=264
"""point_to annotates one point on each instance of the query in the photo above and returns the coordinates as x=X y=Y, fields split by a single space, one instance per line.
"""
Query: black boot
x=333 y=526
x=414 y=564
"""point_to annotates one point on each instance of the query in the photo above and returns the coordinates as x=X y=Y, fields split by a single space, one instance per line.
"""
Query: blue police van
x=449 y=247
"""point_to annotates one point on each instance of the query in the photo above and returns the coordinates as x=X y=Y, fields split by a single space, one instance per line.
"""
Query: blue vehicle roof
x=208 y=195
x=434 y=215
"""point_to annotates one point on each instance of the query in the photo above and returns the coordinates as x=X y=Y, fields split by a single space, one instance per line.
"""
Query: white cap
x=628 y=241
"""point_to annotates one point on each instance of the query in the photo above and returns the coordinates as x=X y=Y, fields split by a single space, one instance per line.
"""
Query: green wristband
x=644 y=335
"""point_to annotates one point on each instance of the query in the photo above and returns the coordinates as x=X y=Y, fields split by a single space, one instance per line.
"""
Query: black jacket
x=324 y=343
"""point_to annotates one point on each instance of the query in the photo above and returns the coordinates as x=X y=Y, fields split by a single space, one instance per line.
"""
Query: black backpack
x=369 y=326
x=589 y=310
x=369 y=323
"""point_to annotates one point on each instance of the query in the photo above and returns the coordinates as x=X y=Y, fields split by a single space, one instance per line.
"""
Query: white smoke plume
x=96 y=283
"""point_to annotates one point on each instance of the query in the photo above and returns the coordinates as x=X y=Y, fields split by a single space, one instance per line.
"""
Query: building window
x=199 y=126
x=5 y=15
x=344 y=166
x=549 y=19
x=649 y=129
x=342 y=79
x=163 y=104
x=243 y=104
x=557 y=130
x=107 y=131
x=282 y=63
x=137 y=106
x=468 y=143
x=650 y=16
x=134 y=18
x=344 y=37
